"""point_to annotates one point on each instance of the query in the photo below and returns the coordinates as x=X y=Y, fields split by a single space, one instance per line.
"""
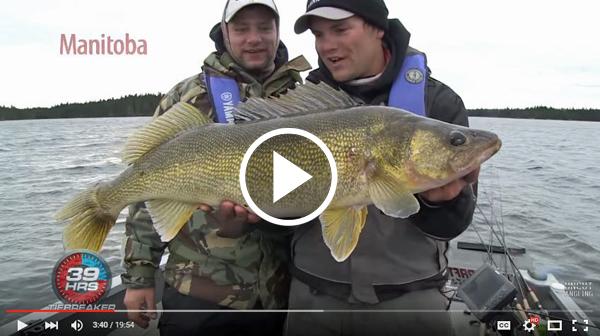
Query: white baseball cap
x=234 y=6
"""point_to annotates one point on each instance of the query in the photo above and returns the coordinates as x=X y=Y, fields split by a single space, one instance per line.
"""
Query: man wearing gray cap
x=217 y=261
x=399 y=265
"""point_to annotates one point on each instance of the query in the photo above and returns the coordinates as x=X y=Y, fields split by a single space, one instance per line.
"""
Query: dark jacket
x=391 y=251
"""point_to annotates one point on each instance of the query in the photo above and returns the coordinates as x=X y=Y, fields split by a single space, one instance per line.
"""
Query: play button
x=288 y=176
x=21 y=325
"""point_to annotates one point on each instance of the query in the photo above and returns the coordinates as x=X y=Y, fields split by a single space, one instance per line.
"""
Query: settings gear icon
x=528 y=326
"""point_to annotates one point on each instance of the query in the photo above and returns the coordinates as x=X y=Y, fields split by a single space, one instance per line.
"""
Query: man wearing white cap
x=217 y=261
x=399 y=265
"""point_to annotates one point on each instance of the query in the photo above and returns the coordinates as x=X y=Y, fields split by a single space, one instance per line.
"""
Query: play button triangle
x=21 y=325
x=286 y=177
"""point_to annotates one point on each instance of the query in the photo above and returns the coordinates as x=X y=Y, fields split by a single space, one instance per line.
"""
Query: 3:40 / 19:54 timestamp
x=113 y=324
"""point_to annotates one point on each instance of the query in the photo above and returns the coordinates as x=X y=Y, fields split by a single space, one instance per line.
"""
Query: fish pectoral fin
x=169 y=216
x=392 y=198
x=341 y=229
x=180 y=117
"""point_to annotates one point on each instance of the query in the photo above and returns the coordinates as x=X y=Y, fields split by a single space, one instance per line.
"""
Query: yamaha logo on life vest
x=228 y=105
x=225 y=95
x=414 y=76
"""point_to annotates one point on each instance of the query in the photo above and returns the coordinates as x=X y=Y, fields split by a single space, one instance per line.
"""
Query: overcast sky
x=493 y=53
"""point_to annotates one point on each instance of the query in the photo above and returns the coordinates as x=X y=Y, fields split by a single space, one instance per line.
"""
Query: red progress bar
x=58 y=311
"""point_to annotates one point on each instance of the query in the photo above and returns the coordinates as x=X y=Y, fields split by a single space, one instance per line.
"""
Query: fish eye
x=457 y=138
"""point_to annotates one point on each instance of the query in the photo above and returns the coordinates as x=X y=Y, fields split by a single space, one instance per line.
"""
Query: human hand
x=451 y=190
x=231 y=218
x=140 y=299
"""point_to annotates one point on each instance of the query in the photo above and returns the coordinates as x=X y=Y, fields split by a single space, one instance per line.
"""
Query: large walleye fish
x=384 y=156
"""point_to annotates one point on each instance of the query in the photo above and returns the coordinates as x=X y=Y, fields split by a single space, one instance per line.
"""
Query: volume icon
x=77 y=325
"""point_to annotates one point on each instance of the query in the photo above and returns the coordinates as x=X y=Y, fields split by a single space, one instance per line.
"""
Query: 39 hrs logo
x=81 y=277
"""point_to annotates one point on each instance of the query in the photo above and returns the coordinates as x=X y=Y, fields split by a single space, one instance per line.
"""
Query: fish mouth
x=478 y=160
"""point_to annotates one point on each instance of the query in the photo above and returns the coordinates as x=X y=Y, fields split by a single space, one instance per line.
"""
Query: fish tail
x=89 y=221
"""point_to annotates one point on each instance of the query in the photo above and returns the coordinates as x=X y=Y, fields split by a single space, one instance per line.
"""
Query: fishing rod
x=523 y=288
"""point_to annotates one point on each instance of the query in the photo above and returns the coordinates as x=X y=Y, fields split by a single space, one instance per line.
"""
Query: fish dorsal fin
x=304 y=99
x=178 y=118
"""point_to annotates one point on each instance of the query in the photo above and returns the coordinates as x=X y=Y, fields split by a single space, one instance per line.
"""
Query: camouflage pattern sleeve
x=167 y=101
x=191 y=90
x=143 y=248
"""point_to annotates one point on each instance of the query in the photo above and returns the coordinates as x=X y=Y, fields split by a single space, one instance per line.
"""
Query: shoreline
x=144 y=105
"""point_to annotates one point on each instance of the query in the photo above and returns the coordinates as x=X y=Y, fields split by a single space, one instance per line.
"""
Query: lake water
x=544 y=185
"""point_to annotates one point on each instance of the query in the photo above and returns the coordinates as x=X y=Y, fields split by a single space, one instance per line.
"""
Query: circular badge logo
x=81 y=277
x=414 y=76
x=226 y=96
x=287 y=176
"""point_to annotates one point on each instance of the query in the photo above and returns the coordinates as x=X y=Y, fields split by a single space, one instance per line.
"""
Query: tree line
x=144 y=105
x=127 y=106
x=539 y=112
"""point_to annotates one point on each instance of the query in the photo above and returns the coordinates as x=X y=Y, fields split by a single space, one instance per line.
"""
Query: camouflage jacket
x=230 y=272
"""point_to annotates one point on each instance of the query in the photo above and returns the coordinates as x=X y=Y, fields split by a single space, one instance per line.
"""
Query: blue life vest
x=408 y=90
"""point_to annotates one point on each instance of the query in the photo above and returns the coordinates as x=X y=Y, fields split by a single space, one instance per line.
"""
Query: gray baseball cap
x=234 y=6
